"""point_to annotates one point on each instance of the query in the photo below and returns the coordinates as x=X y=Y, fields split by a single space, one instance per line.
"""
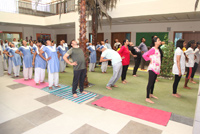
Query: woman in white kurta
x=16 y=60
x=27 y=60
x=40 y=64
x=179 y=66
x=190 y=63
x=62 y=49
x=53 y=64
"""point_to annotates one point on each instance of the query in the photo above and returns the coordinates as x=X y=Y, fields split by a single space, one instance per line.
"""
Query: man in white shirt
x=116 y=60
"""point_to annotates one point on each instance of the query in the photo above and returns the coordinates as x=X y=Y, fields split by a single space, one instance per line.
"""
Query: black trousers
x=124 y=71
x=79 y=77
x=137 y=64
x=194 y=69
x=176 y=81
x=151 y=82
x=142 y=63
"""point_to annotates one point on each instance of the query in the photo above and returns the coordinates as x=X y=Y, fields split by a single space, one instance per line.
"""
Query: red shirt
x=124 y=52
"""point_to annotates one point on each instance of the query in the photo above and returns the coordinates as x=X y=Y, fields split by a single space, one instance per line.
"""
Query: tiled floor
x=29 y=110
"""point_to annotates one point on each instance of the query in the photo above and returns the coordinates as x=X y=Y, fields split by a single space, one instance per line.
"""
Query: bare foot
x=25 y=79
x=193 y=82
x=176 y=95
x=57 y=86
x=134 y=75
x=8 y=74
x=50 y=88
x=75 y=95
x=148 y=100
x=37 y=84
x=187 y=87
x=114 y=86
x=109 y=88
x=84 y=92
x=156 y=80
x=123 y=82
x=102 y=72
x=126 y=81
x=152 y=96
x=42 y=82
x=105 y=72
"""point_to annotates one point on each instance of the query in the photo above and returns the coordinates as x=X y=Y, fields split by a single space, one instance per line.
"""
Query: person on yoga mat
x=79 y=67
x=191 y=60
x=39 y=63
x=53 y=66
x=154 y=67
x=25 y=51
x=116 y=60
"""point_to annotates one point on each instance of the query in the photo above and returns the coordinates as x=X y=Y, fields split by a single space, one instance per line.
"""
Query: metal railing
x=29 y=7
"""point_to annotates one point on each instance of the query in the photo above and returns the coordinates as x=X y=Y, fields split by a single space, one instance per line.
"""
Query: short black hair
x=71 y=41
x=124 y=41
x=179 y=43
x=142 y=39
x=198 y=43
x=189 y=44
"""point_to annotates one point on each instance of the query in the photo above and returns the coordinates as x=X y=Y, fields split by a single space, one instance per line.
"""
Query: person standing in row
x=93 y=57
x=10 y=64
x=1 y=61
x=116 y=60
x=27 y=60
x=79 y=67
x=116 y=45
x=179 y=66
x=143 y=49
x=125 y=54
x=196 y=64
x=190 y=63
x=154 y=67
x=136 y=53
x=16 y=59
x=104 y=64
x=62 y=49
x=39 y=63
x=53 y=63
x=5 y=66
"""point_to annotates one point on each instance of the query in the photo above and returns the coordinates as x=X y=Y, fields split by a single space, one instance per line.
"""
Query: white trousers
x=16 y=69
x=5 y=65
x=53 y=78
x=91 y=66
x=10 y=66
x=104 y=66
x=62 y=66
x=27 y=72
x=39 y=75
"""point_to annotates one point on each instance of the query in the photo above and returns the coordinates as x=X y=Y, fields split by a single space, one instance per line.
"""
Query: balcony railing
x=29 y=7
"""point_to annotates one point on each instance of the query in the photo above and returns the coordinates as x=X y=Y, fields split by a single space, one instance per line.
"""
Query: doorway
x=120 y=36
x=60 y=37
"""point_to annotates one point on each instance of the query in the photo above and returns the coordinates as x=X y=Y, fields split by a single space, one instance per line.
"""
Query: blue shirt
x=62 y=50
x=16 y=57
x=39 y=62
x=53 y=63
x=27 y=58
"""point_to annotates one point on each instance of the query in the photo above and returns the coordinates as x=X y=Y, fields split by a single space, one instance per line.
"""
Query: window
x=177 y=37
x=8 y=6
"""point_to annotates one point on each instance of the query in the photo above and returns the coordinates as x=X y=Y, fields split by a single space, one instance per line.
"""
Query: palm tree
x=196 y=5
x=98 y=9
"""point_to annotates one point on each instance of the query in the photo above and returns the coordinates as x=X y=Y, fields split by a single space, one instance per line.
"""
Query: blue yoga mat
x=66 y=93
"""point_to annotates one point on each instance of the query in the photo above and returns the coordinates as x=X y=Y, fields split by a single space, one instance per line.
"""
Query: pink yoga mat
x=32 y=83
x=146 y=113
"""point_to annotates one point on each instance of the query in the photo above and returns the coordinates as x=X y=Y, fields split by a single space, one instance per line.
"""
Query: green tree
x=167 y=62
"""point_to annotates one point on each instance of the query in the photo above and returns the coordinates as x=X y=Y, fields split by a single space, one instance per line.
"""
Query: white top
x=190 y=54
x=197 y=54
x=113 y=55
x=182 y=62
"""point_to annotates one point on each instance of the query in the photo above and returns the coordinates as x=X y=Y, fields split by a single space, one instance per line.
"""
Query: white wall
x=28 y=31
x=70 y=33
